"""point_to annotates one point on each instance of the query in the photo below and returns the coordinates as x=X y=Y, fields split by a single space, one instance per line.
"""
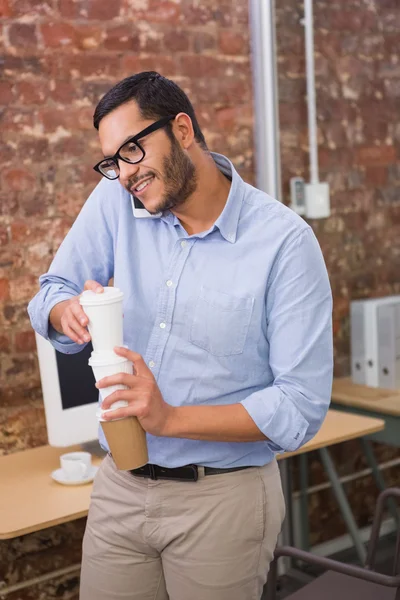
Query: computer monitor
x=69 y=394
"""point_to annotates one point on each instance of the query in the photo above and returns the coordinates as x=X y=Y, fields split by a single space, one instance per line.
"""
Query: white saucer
x=59 y=476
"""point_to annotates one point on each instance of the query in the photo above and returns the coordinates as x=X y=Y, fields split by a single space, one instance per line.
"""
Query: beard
x=180 y=179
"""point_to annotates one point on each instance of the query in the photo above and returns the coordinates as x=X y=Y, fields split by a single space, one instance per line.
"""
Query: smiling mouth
x=142 y=185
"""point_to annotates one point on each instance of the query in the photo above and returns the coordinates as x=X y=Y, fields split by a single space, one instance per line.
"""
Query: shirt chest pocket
x=221 y=322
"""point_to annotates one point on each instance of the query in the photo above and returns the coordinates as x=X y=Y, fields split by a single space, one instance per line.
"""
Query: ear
x=183 y=130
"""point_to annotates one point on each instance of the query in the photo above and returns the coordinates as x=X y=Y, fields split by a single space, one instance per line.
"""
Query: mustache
x=134 y=182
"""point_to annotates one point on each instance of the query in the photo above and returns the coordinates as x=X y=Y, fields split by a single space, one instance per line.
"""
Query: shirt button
x=162 y=325
x=152 y=364
x=183 y=243
x=169 y=283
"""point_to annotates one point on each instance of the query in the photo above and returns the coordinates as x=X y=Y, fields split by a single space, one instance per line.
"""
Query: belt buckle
x=194 y=472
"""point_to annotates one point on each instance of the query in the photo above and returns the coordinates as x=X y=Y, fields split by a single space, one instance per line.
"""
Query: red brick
x=152 y=42
x=35 y=149
x=202 y=66
x=122 y=37
x=22 y=35
x=9 y=203
x=163 y=11
x=5 y=343
x=94 y=90
x=6 y=93
x=376 y=176
x=197 y=14
x=233 y=42
x=19 y=179
x=4 y=235
x=58 y=35
x=375 y=155
x=332 y=159
x=156 y=11
x=203 y=41
x=64 y=92
x=31 y=8
x=72 y=9
x=231 y=116
x=15 y=65
x=5 y=10
x=72 y=119
x=345 y=20
x=25 y=341
x=134 y=64
x=177 y=41
x=22 y=288
x=30 y=92
x=223 y=14
x=93 y=66
x=73 y=146
x=4 y=289
x=103 y=11
x=17 y=120
x=89 y=37
x=19 y=231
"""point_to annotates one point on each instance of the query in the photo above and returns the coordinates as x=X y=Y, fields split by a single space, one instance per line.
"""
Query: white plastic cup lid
x=109 y=296
x=114 y=406
x=102 y=360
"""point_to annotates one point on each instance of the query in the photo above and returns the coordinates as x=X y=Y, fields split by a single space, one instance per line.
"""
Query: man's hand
x=144 y=398
x=69 y=318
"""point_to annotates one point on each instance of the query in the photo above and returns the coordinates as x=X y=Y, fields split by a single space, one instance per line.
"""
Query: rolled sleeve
x=299 y=331
x=278 y=418
x=86 y=253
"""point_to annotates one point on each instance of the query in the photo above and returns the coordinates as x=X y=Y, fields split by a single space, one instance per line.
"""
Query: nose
x=127 y=171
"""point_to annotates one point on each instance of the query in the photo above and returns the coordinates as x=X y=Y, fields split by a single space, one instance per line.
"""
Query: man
x=227 y=317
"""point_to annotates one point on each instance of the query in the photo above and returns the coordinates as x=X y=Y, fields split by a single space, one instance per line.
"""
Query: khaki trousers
x=157 y=540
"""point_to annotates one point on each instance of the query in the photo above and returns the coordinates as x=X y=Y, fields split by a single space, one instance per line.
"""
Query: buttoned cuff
x=277 y=417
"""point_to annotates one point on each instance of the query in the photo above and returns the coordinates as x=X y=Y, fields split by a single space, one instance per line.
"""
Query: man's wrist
x=56 y=314
x=171 y=426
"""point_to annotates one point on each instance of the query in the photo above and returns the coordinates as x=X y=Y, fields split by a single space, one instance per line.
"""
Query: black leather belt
x=185 y=473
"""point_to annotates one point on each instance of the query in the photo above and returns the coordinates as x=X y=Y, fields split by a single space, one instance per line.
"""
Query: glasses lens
x=109 y=169
x=131 y=152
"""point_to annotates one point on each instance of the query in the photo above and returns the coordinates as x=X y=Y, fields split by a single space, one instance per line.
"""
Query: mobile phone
x=139 y=210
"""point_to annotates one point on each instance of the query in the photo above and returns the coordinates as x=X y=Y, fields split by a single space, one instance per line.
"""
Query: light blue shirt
x=238 y=313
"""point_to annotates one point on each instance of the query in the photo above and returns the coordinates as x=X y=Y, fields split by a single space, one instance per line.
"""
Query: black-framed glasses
x=130 y=152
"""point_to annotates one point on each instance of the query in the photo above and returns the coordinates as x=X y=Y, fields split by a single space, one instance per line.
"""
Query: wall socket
x=297 y=195
x=309 y=199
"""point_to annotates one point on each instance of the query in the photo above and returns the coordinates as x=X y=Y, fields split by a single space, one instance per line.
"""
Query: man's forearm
x=230 y=423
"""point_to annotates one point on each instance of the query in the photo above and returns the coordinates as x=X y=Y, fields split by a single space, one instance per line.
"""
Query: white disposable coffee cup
x=76 y=465
x=125 y=436
x=106 y=365
x=104 y=311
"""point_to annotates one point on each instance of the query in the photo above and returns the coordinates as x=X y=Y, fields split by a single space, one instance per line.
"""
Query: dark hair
x=156 y=97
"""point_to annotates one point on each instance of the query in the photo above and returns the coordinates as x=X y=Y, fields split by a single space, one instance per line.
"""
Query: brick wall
x=60 y=56
x=358 y=93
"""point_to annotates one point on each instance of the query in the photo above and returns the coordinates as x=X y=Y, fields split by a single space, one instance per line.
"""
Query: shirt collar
x=228 y=220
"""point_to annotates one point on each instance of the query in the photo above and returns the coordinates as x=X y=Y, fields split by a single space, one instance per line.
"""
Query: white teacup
x=76 y=465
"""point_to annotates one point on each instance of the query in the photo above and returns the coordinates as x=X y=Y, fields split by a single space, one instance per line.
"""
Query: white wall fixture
x=317 y=204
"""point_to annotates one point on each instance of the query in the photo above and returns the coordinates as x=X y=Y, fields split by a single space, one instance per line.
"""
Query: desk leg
x=304 y=524
x=287 y=526
x=343 y=503
x=377 y=474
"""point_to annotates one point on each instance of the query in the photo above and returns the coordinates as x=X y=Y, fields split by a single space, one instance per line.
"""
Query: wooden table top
x=384 y=401
x=30 y=500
